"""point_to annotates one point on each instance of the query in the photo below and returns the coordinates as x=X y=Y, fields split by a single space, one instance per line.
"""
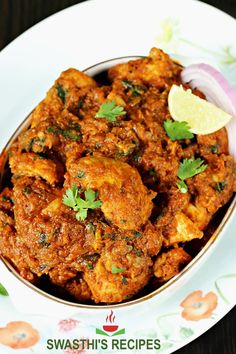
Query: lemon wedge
x=202 y=117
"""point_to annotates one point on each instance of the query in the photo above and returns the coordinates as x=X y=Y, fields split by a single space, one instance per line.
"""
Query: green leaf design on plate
x=164 y=346
x=218 y=288
x=166 y=324
x=185 y=332
x=149 y=333
x=3 y=291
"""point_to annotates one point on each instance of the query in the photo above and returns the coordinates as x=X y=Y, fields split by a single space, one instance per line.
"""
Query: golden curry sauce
x=93 y=209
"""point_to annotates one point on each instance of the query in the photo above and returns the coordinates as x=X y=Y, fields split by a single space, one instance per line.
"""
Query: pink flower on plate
x=197 y=307
x=19 y=335
x=75 y=351
x=80 y=350
x=68 y=324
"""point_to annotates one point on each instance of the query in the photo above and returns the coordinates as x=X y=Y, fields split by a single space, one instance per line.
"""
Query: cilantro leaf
x=220 y=186
x=182 y=186
x=61 y=93
x=110 y=111
x=177 y=130
x=191 y=167
x=69 y=198
x=82 y=214
x=136 y=89
x=3 y=291
x=81 y=206
x=116 y=270
x=90 y=195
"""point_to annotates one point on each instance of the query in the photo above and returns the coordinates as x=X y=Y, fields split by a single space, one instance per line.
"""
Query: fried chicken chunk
x=118 y=274
x=126 y=202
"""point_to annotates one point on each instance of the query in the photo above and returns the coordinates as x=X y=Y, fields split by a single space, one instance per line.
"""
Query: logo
x=110 y=341
x=110 y=329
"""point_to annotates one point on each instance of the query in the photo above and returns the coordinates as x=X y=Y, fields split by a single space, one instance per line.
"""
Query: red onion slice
x=218 y=91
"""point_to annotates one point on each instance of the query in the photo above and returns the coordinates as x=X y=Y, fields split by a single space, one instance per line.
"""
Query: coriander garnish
x=177 y=130
x=220 y=186
x=42 y=241
x=116 y=270
x=189 y=168
x=72 y=199
x=80 y=174
x=124 y=281
x=136 y=89
x=110 y=111
x=61 y=93
x=182 y=186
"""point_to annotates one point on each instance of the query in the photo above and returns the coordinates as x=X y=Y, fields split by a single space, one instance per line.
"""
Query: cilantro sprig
x=110 y=111
x=177 y=130
x=187 y=169
x=73 y=200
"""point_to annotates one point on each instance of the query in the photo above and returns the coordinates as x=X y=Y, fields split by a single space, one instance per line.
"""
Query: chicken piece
x=170 y=263
x=6 y=200
x=37 y=139
x=79 y=289
x=214 y=186
x=72 y=78
x=32 y=165
x=126 y=202
x=199 y=215
x=9 y=247
x=51 y=239
x=67 y=91
x=215 y=143
x=150 y=241
x=31 y=196
x=157 y=69
x=118 y=274
x=181 y=229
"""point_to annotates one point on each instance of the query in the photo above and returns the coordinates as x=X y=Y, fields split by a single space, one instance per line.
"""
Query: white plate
x=79 y=37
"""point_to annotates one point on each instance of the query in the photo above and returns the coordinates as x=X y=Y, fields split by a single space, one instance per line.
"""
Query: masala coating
x=127 y=222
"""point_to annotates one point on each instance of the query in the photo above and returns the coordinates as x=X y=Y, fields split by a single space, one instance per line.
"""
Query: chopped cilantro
x=136 y=89
x=137 y=234
x=124 y=281
x=66 y=133
x=116 y=270
x=91 y=227
x=214 y=148
x=80 y=174
x=81 y=206
x=177 y=130
x=110 y=111
x=42 y=241
x=220 y=186
x=137 y=156
x=5 y=198
x=61 y=93
x=27 y=190
x=122 y=153
x=137 y=252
